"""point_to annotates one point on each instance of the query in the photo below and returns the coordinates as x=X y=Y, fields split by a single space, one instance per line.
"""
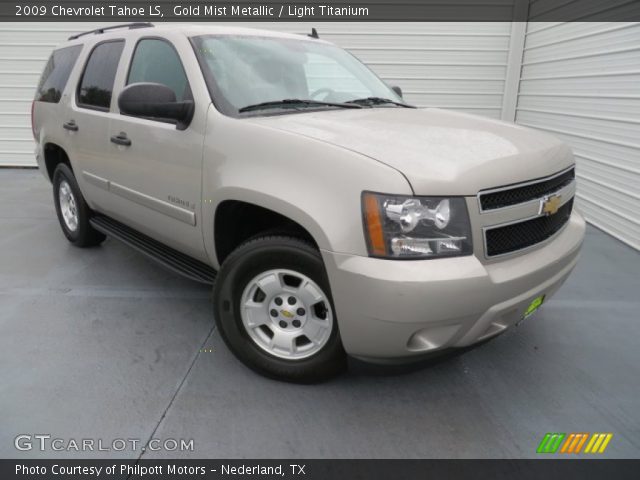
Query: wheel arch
x=54 y=154
x=236 y=221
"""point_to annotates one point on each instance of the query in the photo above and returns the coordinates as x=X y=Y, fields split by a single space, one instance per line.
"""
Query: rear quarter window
x=56 y=74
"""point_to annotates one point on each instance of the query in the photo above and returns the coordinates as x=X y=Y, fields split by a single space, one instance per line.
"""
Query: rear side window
x=96 y=86
x=56 y=74
x=156 y=61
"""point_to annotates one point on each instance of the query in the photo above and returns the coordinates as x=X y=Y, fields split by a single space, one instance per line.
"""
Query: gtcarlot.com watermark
x=45 y=442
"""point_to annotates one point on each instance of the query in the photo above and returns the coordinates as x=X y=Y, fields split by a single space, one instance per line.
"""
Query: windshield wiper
x=371 y=101
x=295 y=102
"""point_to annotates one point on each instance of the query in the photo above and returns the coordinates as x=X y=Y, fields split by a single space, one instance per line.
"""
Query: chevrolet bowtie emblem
x=287 y=314
x=550 y=205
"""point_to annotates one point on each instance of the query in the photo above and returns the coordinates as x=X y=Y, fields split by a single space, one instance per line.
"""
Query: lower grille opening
x=510 y=238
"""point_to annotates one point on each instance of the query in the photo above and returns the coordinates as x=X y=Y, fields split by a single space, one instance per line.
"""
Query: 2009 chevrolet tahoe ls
x=332 y=217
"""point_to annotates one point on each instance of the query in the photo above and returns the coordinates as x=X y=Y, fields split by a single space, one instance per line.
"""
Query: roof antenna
x=314 y=33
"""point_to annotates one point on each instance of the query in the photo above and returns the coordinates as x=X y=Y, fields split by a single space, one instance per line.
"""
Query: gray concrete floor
x=102 y=343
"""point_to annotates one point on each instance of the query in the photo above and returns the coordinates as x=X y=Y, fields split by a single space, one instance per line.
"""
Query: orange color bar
x=576 y=439
x=581 y=443
x=567 y=442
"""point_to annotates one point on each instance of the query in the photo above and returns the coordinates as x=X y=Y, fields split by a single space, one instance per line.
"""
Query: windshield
x=246 y=71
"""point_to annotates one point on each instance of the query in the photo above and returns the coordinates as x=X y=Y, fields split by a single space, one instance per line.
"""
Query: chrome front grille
x=524 y=192
x=523 y=215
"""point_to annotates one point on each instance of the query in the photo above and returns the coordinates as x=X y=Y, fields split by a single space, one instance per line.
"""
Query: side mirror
x=398 y=90
x=157 y=101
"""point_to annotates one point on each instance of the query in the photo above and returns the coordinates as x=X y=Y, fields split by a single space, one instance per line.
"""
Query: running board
x=167 y=256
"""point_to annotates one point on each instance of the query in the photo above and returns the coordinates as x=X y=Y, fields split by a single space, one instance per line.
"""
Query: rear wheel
x=274 y=310
x=72 y=210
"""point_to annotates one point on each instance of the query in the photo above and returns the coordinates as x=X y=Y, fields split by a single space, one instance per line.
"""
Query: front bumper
x=390 y=310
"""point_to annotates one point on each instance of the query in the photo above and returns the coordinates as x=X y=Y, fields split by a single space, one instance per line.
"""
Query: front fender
x=316 y=184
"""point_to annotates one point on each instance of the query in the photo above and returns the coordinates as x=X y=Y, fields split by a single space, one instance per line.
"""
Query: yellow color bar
x=606 y=441
x=591 y=442
x=598 y=443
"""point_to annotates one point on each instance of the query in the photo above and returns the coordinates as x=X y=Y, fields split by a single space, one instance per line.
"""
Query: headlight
x=416 y=227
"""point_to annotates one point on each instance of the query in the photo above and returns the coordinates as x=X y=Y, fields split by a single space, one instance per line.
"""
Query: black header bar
x=547 y=469
x=319 y=11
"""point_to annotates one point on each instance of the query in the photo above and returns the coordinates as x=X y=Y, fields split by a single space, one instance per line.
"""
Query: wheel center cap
x=287 y=314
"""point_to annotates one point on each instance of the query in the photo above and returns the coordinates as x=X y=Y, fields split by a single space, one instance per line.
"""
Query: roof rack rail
x=113 y=27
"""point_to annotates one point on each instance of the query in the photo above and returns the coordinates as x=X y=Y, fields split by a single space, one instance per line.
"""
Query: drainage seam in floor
x=175 y=395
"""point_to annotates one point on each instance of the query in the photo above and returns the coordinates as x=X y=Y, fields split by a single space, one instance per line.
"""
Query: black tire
x=84 y=235
x=243 y=264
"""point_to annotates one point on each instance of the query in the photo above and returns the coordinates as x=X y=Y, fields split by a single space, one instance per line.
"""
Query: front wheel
x=274 y=310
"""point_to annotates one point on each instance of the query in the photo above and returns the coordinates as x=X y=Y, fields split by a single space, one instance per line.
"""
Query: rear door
x=86 y=123
x=157 y=166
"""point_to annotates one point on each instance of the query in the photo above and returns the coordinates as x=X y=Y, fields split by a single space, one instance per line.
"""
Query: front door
x=157 y=179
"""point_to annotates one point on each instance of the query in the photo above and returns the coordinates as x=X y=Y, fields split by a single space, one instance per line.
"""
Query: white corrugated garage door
x=453 y=65
x=581 y=82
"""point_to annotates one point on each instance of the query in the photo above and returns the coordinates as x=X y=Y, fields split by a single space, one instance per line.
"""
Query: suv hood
x=439 y=152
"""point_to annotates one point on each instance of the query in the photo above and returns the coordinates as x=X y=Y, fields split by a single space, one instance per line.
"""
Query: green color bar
x=543 y=443
x=549 y=446
x=550 y=443
x=557 y=443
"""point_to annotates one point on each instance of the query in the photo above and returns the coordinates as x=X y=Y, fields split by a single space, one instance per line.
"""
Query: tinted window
x=156 y=61
x=96 y=85
x=56 y=73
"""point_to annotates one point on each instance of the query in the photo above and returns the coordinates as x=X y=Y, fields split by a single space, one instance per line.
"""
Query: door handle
x=70 y=125
x=121 y=139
